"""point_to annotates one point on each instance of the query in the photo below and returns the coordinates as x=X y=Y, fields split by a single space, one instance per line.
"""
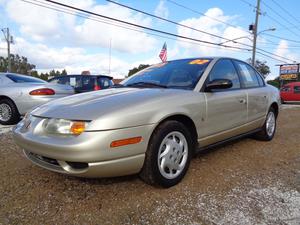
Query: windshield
x=182 y=74
x=24 y=79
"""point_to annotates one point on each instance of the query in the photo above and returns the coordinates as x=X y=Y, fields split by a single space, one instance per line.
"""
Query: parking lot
x=245 y=182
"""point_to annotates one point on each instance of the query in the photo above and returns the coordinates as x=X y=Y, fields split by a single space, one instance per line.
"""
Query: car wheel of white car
x=8 y=112
x=168 y=155
x=268 y=130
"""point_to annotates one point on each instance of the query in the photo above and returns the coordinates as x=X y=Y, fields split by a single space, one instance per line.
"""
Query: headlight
x=62 y=126
x=25 y=122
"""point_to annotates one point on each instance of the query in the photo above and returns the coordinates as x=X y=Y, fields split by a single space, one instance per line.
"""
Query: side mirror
x=218 y=84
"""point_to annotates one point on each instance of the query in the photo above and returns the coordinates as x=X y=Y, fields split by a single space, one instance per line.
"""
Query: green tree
x=136 y=69
x=19 y=64
x=44 y=76
x=261 y=67
x=64 y=72
x=275 y=82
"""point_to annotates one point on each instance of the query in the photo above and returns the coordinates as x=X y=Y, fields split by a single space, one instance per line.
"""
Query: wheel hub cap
x=172 y=155
x=5 y=112
x=270 y=124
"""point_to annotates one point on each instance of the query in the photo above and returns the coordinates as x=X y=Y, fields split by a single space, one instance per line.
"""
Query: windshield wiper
x=146 y=84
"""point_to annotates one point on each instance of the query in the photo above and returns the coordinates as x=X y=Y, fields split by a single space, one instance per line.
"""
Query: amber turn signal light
x=128 y=141
x=77 y=128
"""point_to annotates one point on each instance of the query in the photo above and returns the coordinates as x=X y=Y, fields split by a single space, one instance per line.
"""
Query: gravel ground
x=245 y=182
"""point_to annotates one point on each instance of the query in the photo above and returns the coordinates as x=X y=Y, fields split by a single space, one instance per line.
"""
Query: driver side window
x=224 y=69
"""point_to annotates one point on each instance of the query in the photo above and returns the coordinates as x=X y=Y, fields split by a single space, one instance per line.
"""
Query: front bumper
x=90 y=151
x=110 y=168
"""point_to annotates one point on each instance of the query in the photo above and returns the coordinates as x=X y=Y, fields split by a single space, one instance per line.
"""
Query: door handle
x=242 y=101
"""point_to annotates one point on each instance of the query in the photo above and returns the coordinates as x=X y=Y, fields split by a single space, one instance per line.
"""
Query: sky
x=58 y=40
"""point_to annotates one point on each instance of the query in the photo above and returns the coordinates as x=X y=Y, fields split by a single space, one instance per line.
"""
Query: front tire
x=168 y=155
x=269 y=128
x=8 y=112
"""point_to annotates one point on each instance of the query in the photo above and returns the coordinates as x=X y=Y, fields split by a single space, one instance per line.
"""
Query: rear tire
x=9 y=113
x=168 y=155
x=269 y=128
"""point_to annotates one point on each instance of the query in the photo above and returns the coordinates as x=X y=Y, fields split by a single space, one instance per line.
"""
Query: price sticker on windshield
x=199 y=61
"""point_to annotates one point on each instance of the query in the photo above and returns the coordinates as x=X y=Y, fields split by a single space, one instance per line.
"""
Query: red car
x=290 y=92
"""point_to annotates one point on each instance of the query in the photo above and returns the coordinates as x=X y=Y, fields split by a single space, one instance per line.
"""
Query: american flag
x=163 y=53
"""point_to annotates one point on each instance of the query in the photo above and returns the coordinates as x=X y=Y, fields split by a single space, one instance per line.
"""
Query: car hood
x=114 y=108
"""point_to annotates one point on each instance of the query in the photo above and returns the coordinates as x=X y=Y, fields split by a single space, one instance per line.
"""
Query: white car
x=21 y=93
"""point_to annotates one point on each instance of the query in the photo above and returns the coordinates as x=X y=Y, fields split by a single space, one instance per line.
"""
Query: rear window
x=24 y=79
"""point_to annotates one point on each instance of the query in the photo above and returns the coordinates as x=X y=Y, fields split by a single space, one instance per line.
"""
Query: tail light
x=42 y=91
x=97 y=87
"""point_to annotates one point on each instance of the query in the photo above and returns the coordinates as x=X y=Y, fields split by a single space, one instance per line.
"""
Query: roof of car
x=292 y=83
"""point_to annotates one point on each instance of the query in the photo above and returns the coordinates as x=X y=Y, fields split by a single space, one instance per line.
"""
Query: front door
x=226 y=109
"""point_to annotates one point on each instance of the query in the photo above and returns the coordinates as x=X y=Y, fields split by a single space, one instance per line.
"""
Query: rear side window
x=248 y=75
x=23 y=79
x=297 y=89
x=224 y=69
x=88 y=83
x=260 y=79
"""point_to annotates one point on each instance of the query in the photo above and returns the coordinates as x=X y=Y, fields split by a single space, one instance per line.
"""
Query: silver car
x=153 y=123
x=20 y=93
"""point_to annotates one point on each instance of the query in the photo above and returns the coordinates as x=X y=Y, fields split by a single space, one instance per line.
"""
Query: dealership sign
x=289 y=72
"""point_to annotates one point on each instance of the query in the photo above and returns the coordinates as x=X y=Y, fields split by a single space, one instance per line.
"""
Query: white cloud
x=161 y=9
x=99 y=34
x=282 y=50
x=74 y=60
x=52 y=27
x=208 y=25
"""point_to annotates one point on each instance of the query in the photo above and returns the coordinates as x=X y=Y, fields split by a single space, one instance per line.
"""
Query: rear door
x=257 y=93
x=296 y=94
x=226 y=109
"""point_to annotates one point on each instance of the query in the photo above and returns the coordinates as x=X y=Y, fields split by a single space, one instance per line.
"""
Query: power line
x=173 y=22
x=137 y=25
x=282 y=25
x=154 y=30
x=271 y=57
x=201 y=13
x=270 y=17
x=287 y=12
x=283 y=38
x=278 y=14
x=164 y=19
x=140 y=11
x=45 y=5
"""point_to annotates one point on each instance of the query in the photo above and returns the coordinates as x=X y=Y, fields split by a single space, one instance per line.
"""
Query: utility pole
x=9 y=40
x=255 y=32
